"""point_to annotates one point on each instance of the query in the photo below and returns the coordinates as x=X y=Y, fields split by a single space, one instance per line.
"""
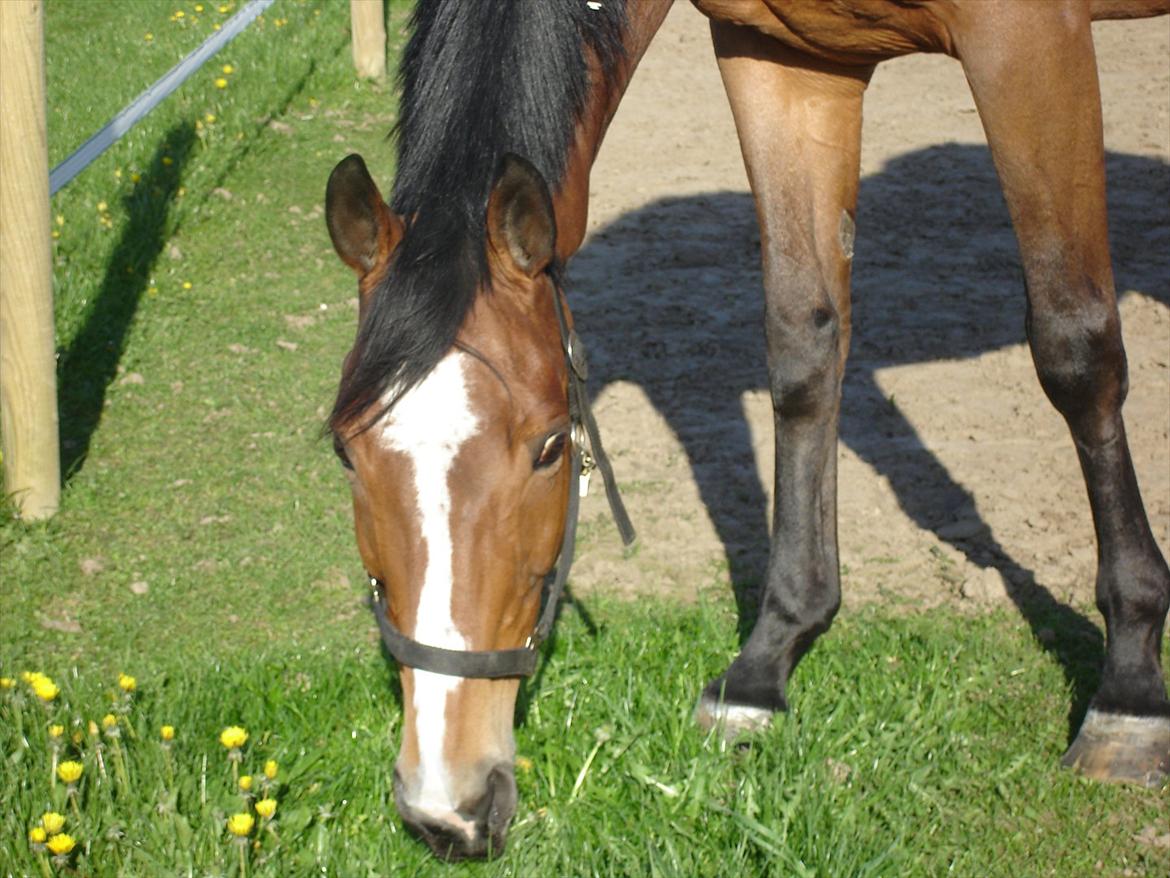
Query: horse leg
x=799 y=124
x=1043 y=123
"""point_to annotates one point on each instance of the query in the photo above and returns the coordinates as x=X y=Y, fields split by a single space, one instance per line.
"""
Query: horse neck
x=571 y=197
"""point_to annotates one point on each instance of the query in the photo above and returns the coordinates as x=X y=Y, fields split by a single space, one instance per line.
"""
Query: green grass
x=921 y=746
x=204 y=545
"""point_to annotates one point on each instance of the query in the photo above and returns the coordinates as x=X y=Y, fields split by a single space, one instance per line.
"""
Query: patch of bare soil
x=959 y=484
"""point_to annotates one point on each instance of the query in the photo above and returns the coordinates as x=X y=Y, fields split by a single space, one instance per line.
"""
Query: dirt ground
x=959 y=484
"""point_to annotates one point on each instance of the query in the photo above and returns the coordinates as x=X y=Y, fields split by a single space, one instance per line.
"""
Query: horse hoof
x=732 y=720
x=1116 y=748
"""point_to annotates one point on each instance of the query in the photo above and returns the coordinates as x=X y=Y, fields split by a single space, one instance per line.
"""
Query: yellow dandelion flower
x=246 y=782
x=53 y=822
x=209 y=118
x=93 y=729
x=215 y=26
x=7 y=682
x=46 y=689
x=221 y=83
x=241 y=824
x=152 y=291
x=266 y=808
x=56 y=730
x=36 y=835
x=198 y=7
x=61 y=844
x=524 y=764
x=70 y=772
x=187 y=286
x=167 y=161
x=224 y=8
x=54 y=234
x=179 y=13
x=109 y=721
x=233 y=737
x=149 y=36
x=31 y=677
x=182 y=190
x=117 y=173
x=228 y=69
x=127 y=683
x=270 y=769
x=102 y=207
x=135 y=177
x=59 y=219
x=167 y=733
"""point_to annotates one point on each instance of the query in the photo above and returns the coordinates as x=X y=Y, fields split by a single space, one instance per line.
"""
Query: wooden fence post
x=368 y=23
x=28 y=370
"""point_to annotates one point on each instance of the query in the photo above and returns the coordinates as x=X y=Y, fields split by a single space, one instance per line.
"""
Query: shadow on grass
x=87 y=368
x=90 y=364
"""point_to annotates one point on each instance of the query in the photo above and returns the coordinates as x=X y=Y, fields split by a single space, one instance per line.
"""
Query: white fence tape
x=149 y=99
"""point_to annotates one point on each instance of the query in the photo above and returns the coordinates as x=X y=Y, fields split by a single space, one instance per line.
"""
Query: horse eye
x=554 y=447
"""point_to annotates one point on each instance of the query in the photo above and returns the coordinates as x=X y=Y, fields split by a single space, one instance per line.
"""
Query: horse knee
x=804 y=358
x=1080 y=359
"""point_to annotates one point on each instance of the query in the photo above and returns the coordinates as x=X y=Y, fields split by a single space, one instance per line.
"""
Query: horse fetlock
x=1131 y=682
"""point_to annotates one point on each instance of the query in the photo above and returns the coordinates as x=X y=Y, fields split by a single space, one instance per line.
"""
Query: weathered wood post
x=368 y=23
x=28 y=373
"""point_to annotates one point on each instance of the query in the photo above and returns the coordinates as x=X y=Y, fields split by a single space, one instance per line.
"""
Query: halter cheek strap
x=587 y=454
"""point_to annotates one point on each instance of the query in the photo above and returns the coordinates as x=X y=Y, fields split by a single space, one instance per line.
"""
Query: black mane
x=479 y=79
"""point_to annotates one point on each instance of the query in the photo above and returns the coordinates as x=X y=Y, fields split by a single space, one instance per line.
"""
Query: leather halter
x=587 y=454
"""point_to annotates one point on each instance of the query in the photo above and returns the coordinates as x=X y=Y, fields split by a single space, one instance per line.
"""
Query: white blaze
x=430 y=424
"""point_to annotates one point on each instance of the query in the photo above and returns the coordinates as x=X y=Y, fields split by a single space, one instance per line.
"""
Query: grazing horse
x=461 y=417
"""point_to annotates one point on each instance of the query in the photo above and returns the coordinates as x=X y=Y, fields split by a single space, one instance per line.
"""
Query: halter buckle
x=588 y=464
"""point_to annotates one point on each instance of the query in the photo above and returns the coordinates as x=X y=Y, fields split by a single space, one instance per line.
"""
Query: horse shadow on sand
x=692 y=339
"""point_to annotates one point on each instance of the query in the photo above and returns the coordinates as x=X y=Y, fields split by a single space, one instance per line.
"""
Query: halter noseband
x=588 y=454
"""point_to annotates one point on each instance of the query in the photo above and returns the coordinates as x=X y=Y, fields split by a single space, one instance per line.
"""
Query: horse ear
x=521 y=226
x=363 y=229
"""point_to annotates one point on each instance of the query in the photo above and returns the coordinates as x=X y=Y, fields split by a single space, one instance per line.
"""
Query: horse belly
x=843 y=31
x=1113 y=9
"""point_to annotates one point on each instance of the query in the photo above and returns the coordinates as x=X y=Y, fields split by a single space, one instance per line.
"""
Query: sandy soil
x=958 y=481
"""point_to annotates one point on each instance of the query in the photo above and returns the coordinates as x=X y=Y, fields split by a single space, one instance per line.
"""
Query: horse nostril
x=499 y=803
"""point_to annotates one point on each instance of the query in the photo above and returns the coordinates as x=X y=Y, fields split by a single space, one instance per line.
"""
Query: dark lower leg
x=1133 y=585
x=1079 y=357
x=1081 y=363
x=802 y=590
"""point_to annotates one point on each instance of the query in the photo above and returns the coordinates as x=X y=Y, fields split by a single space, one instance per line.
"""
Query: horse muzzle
x=477 y=829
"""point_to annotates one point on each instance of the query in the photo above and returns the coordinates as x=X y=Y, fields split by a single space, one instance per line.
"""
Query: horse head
x=460 y=479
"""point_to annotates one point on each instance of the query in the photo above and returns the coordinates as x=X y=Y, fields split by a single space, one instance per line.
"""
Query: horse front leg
x=799 y=125
x=1032 y=71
